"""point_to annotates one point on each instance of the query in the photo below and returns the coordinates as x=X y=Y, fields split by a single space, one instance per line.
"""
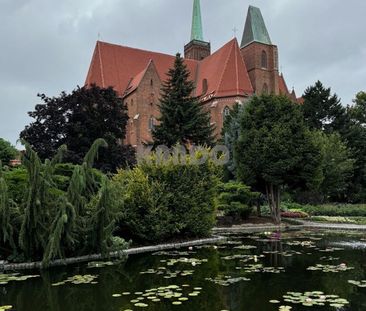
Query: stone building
x=228 y=76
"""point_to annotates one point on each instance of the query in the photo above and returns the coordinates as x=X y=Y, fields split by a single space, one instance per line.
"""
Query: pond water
x=312 y=269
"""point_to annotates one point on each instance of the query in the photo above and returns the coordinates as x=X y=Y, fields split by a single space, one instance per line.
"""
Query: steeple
x=260 y=55
x=255 y=29
x=197 y=32
x=197 y=48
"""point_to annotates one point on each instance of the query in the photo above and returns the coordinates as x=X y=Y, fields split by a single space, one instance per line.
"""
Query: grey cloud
x=47 y=45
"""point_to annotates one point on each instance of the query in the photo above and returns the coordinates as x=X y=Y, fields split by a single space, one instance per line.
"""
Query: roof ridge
x=140 y=76
x=142 y=50
x=101 y=64
x=226 y=63
x=245 y=68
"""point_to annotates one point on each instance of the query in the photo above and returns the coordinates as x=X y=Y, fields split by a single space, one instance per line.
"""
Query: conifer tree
x=183 y=120
x=323 y=110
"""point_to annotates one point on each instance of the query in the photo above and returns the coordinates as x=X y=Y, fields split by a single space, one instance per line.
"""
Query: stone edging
x=331 y=226
x=4 y=266
x=249 y=229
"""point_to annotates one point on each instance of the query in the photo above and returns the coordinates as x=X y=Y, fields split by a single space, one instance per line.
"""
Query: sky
x=46 y=45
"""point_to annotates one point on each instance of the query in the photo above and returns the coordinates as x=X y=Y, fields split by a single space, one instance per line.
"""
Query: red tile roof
x=116 y=65
x=225 y=72
x=123 y=68
x=282 y=85
x=135 y=82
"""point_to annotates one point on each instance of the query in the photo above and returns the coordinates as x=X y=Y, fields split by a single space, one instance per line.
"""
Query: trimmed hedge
x=336 y=210
x=162 y=201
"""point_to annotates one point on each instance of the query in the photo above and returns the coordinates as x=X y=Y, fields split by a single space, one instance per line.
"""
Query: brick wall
x=259 y=75
x=142 y=105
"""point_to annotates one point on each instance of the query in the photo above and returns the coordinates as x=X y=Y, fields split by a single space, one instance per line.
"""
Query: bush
x=237 y=211
x=285 y=206
x=294 y=214
x=336 y=210
x=236 y=200
x=164 y=201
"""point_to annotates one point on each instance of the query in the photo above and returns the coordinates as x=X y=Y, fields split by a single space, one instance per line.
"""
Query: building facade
x=229 y=76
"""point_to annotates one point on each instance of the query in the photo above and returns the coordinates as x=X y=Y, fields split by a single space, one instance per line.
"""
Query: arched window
x=265 y=89
x=151 y=123
x=204 y=86
x=226 y=113
x=151 y=82
x=264 y=61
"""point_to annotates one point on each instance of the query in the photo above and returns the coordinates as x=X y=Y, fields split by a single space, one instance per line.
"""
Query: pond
x=299 y=270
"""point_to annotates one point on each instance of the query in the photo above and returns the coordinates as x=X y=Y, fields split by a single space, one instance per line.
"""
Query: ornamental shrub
x=236 y=200
x=161 y=201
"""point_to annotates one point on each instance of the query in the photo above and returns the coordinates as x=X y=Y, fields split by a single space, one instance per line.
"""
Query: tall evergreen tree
x=230 y=135
x=182 y=119
x=355 y=136
x=322 y=110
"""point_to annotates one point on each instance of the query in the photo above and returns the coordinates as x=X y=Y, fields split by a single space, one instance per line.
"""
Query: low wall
x=4 y=266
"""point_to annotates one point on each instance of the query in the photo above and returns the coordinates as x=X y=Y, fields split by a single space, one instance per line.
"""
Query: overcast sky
x=46 y=45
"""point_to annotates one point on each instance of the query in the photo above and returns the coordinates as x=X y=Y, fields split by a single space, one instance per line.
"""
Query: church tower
x=197 y=48
x=259 y=54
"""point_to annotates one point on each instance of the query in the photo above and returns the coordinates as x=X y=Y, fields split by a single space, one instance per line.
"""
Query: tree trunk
x=259 y=213
x=273 y=196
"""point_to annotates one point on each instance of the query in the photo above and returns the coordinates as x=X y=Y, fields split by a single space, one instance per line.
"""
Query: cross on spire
x=197 y=32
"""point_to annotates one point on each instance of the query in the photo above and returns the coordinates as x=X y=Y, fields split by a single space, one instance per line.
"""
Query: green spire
x=197 y=33
x=255 y=28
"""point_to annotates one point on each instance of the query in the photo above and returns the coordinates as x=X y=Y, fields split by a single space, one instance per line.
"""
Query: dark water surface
x=281 y=262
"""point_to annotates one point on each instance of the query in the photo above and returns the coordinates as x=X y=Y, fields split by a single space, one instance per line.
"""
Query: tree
x=274 y=148
x=322 y=110
x=336 y=166
x=183 y=120
x=77 y=120
x=7 y=152
x=354 y=135
x=230 y=135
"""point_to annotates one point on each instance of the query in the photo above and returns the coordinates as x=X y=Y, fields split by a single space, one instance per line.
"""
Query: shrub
x=294 y=214
x=237 y=211
x=163 y=201
x=236 y=200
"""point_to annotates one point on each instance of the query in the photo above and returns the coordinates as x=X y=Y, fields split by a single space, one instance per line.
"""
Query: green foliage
x=275 y=147
x=77 y=120
x=182 y=119
x=343 y=210
x=6 y=213
x=230 y=135
x=75 y=219
x=7 y=151
x=322 y=110
x=354 y=135
x=236 y=200
x=336 y=166
x=160 y=201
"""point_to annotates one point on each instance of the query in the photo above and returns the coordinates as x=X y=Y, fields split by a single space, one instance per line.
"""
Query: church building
x=228 y=76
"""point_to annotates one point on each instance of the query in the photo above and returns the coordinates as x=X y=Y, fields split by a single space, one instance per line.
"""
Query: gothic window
x=151 y=123
x=264 y=61
x=265 y=88
x=151 y=82
x=275 y=59
x=204 y=86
